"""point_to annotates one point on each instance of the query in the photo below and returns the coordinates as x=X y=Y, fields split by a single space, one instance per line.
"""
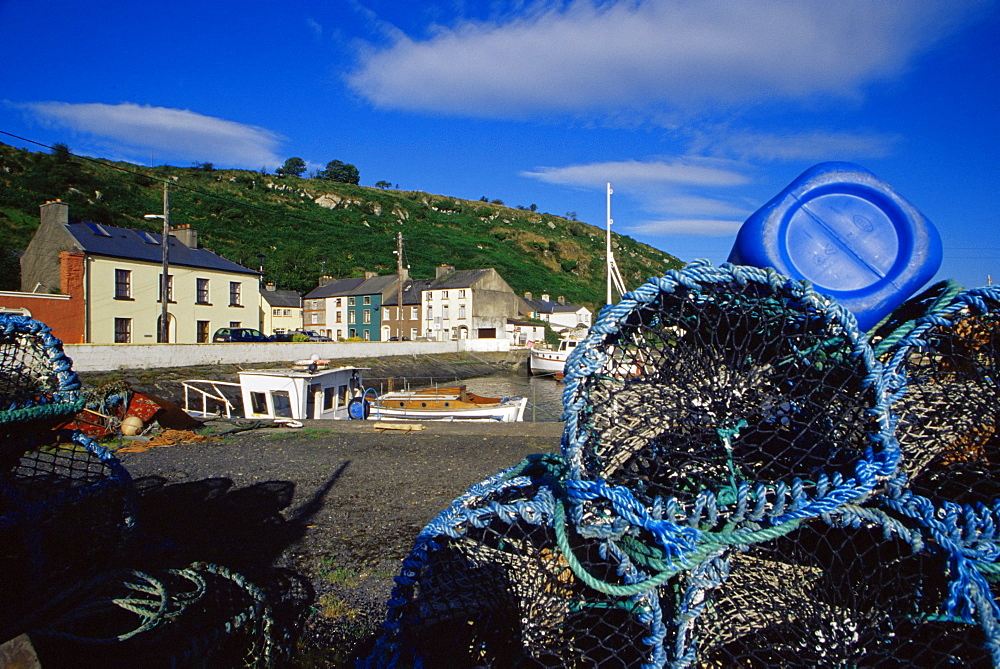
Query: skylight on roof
x=97 y=229
x=146 y=237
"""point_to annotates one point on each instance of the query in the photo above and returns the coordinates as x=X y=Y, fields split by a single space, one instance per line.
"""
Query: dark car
x=239 y=335
x=399 y=339
x=312 y=334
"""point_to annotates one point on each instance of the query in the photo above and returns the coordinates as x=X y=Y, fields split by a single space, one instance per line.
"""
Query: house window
x=461 y=294
x=413 y=333
x=337 y=301
x=202 y=296
x=234 y=294
x=275 y=312
x=340 y=335
x=203 y=328
x=367 y=334
x=350 y=317
x=234 y=324
x=350 y=301
x=414 y=314
x=339 y=317
x=170 y=288
x=123 y=329
x=430 y=312
x=444 y=294
x=444 y=312
x=286 y=312
x=385 y=313
x=367 y=316
x=461 y=312
x=430 y=295
x=315 y=318
x=367 y=299
x=123 y=284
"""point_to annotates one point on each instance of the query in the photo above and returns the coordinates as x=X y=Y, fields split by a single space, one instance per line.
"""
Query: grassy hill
x=307 y=226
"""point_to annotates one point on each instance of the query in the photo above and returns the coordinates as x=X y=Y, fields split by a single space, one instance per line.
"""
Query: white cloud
x=585 y=56
x=817 y=145
x=638 y=175
x=692 y=226
x=175 y=134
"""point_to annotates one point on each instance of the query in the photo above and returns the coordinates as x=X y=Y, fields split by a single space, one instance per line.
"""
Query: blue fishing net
x=746 y=479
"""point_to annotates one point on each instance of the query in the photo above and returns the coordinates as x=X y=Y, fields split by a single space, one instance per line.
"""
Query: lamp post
x=260 y=258
x=164 y=330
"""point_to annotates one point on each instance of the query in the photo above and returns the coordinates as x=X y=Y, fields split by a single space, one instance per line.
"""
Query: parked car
x=399 y=339
x=239 y=335
x=281 y=336
x=312 y=334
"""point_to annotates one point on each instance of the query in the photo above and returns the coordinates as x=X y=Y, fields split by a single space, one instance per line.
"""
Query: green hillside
x=306 y=226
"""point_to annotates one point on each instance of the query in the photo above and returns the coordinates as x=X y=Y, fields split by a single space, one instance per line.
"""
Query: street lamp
x=164 y=281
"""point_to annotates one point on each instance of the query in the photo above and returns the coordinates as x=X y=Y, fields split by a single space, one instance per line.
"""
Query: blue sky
x=697 y=112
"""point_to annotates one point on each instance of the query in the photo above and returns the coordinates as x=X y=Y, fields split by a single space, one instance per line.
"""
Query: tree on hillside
x=340 y=172
x=294 y=166
x=383 y=185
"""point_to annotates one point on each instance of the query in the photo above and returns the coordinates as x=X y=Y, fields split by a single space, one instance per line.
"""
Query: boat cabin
x=299 y=393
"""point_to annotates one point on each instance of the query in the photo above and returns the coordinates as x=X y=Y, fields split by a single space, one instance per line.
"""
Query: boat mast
x=399 y=288
x=614 y=274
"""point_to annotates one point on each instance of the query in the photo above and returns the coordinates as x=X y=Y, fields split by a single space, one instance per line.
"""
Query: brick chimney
x=269 y=286
x=561 y=299
x=370 y=275
x=528 y=296
x=545 y=297
x=443 y=270
x=323 y=280
x=186 y=235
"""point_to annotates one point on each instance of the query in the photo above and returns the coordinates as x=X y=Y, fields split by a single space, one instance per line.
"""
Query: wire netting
x=745 y=480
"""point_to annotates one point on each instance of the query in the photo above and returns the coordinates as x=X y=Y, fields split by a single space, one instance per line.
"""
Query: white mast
x=614 y=274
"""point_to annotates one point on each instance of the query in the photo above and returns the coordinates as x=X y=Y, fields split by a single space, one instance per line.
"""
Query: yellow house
x=280 y=310
x=122 y=271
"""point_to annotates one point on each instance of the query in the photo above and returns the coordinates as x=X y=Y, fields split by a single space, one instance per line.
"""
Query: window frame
x=123 y=284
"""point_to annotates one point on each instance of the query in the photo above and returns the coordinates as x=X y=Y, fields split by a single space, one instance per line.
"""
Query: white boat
x=447 y=404
x=311 y=391
x=552 y=361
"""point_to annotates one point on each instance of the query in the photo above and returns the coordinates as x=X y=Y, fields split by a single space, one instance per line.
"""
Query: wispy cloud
x=177 y=134
x=817 y=145
x=699 y=227
x=584 y=56
x=635 y=174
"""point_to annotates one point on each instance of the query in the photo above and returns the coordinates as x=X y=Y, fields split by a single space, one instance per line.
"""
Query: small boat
x=552 y=362
x=447 y=404
x=312 y=391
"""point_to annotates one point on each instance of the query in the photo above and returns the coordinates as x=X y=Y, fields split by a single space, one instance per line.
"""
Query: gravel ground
x=332 y=508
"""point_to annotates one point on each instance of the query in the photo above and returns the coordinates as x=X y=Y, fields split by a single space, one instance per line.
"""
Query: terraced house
x=119 y=274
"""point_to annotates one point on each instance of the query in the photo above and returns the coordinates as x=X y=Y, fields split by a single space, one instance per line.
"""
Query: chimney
x=443 y=270
x=404 y=275
x=54 y=213
x=528 y=296
x=545 y=297
x=370 y=275
x=323 y=280
x=269 y=286
x=561 y=299
x=186 y=235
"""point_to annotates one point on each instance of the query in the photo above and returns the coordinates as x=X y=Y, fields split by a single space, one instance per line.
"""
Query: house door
x=171 y=329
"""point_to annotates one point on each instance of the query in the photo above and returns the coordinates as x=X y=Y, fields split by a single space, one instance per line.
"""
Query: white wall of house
x=279 y=319
x=448 y=313
x=219 y=300
x=563 y=320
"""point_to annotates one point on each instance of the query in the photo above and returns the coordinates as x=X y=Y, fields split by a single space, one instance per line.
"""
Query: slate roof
x=549 y=307
x=375 y=285
x=337 y=288
x=282 y=298
x=463 y=278
x=108 y=240
x=411 y=292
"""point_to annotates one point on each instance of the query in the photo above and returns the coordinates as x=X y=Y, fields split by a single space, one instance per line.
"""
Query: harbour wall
x=111 y=357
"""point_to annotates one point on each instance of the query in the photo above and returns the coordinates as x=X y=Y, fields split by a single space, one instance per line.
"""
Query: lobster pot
x=826 y=594
x=487 y=585
x=946 y=375
x=713 y=377
x=38 y=387
x=200 y=615
x=66 y=512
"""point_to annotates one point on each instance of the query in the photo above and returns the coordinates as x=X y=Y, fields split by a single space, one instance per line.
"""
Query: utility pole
x=399 y=288
x=164 y=329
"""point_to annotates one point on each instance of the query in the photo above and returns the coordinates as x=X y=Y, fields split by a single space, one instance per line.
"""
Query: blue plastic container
x=848 y=233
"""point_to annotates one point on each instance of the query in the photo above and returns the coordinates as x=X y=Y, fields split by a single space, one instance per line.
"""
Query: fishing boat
x=447 y=404
x=311 y=390
x=552 y=361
